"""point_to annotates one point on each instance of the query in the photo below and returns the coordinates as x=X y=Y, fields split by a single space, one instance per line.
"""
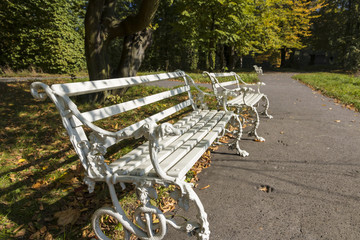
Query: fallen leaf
x=21 y=160
x=205 y=187
x=20 y=233
x=36 y=185
x=68 y=216
x=43 y=230
x=337 y=121
x=258 y=140
x=36 y=235
x=48 y=236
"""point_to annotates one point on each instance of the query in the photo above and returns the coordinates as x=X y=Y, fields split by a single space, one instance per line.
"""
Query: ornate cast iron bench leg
x=255 y=123
x=234 y=131
x=266 y=107
x=145 y=228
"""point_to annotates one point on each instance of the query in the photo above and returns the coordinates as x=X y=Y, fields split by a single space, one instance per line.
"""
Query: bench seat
x=177 y=153
x=244 y=96
x=250 y=99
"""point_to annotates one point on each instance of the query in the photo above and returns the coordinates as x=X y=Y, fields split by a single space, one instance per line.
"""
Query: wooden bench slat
x=106 y=112
x=224 y=84
x=188 y=144
x=225 y=74
x=147 y=166
x=250 y=99
x=253 y=99
x=143 y=162
x=79 y=88
x=183 y=125
x=182 y=167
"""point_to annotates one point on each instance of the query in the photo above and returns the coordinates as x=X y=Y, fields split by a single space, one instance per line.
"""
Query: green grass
x=345 y=88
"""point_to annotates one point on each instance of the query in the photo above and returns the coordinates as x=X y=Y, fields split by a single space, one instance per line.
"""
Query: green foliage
x=337 y=32
x=206 y=34
x=43 y=34
x=346 y=88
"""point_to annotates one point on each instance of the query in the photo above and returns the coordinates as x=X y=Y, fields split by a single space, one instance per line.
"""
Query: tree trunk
x=95 y=42
x=212 y=47
x=283 y=57
x=222 y=57
x=101 y=27
x=211 y=56
x=232 y=58
x=132 y=55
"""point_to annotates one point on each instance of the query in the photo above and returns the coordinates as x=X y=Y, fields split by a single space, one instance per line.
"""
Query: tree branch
x=135 y=23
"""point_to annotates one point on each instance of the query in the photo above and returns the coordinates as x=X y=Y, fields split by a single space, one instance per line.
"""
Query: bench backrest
x=258 y=69
x=217 y=86
x=74 y=120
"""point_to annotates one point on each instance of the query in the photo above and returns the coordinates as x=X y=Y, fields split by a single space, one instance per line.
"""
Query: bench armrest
x=154 y=133
x=258 y=84
x=201 y=94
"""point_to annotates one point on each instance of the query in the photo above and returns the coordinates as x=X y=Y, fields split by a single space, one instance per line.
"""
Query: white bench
x=258 y=70
x=245 y=98
x=169 y=153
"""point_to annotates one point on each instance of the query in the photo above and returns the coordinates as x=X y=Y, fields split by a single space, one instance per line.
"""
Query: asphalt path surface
x=310 y=163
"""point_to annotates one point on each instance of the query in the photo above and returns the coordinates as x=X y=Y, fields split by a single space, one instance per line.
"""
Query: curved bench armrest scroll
x=154 y=133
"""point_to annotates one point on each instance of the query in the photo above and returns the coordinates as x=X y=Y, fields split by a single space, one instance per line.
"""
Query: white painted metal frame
x=245 y=97
x=170 y=152
x=258 y=70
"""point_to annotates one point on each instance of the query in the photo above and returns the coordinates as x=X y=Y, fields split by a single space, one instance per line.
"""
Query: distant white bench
x=169 y=153
x=244 y=95
x=258 y=70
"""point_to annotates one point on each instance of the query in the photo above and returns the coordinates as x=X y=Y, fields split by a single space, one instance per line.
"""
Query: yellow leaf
x=67 y=189
x=21 y=160
x=36 y=185
x=205 y=187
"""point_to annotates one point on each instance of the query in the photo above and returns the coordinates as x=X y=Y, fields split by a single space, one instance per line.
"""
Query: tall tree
x=337 y=31
x=106 y=21
x=284 y=24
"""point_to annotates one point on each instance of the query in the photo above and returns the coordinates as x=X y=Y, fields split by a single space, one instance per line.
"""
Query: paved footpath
x=311 y=159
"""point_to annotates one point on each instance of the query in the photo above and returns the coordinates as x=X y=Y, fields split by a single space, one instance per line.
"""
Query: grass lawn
x=345 y=88
x=42 y=195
